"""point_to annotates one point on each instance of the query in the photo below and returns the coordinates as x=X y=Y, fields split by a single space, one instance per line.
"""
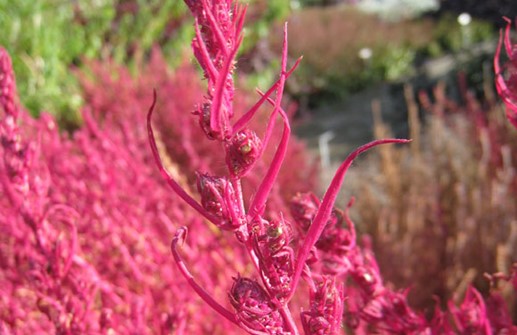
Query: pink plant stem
x=180 y=236
x=350 y=224
x=252 y=111
x=280 y=90
x=325 y=209
x=257 y=207
x=238 y=19
x=165 y=174
x=237 y=185
x=259 y=201
x=288 y=318
x=507 y=41
x=217 y=102
x=500 y=83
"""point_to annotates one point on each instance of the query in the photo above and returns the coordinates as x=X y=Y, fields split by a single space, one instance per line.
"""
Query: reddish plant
x=86 y=219
x=506 y=77
x=266 y=237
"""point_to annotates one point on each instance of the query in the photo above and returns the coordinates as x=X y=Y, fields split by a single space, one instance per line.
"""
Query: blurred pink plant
x=506 y=76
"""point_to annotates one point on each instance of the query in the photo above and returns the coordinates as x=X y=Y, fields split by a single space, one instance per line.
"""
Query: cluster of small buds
x=326 y=308
x=218 y=36
x=218 y=198
x=369 y=301
x=378 y=305
x=276 y=257
x=304 y=207
x=336 y=242
x=506 y=76
x=242 y=151
x=256 y=313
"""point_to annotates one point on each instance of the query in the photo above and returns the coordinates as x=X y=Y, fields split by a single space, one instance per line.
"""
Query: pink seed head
x=254 y=308
x=326 y=309
x=218 y=198
x=242 y=151
x=304 y=207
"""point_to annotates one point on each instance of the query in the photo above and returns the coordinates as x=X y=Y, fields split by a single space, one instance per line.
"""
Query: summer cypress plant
x=84 y=217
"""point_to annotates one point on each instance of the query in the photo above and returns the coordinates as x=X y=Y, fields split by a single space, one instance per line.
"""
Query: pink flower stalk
x=17 y=155
x=218 y=36
x=8 y=97
x=506 y=76
x=259 y=308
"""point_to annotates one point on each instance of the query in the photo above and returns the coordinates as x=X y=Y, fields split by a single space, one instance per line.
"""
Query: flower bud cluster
x=276 y=257
x=369 y=303
x=218 y=197
x=218 y=36
x=242 y=151
x=335 y=242
x=326 y=308
x=254 y=308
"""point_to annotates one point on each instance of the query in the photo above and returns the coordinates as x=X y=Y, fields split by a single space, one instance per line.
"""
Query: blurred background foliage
x=343 y=56
x=50 y=38
x=47 y=39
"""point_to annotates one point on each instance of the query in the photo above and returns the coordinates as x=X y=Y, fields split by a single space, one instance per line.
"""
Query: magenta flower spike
x=165 y=174
x=214 y=23
x=325 y=208
x=181 y=235
x=507 y=88
x=218 y=36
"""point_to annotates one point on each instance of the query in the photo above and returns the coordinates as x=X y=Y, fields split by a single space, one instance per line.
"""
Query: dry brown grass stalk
x=442 y=211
